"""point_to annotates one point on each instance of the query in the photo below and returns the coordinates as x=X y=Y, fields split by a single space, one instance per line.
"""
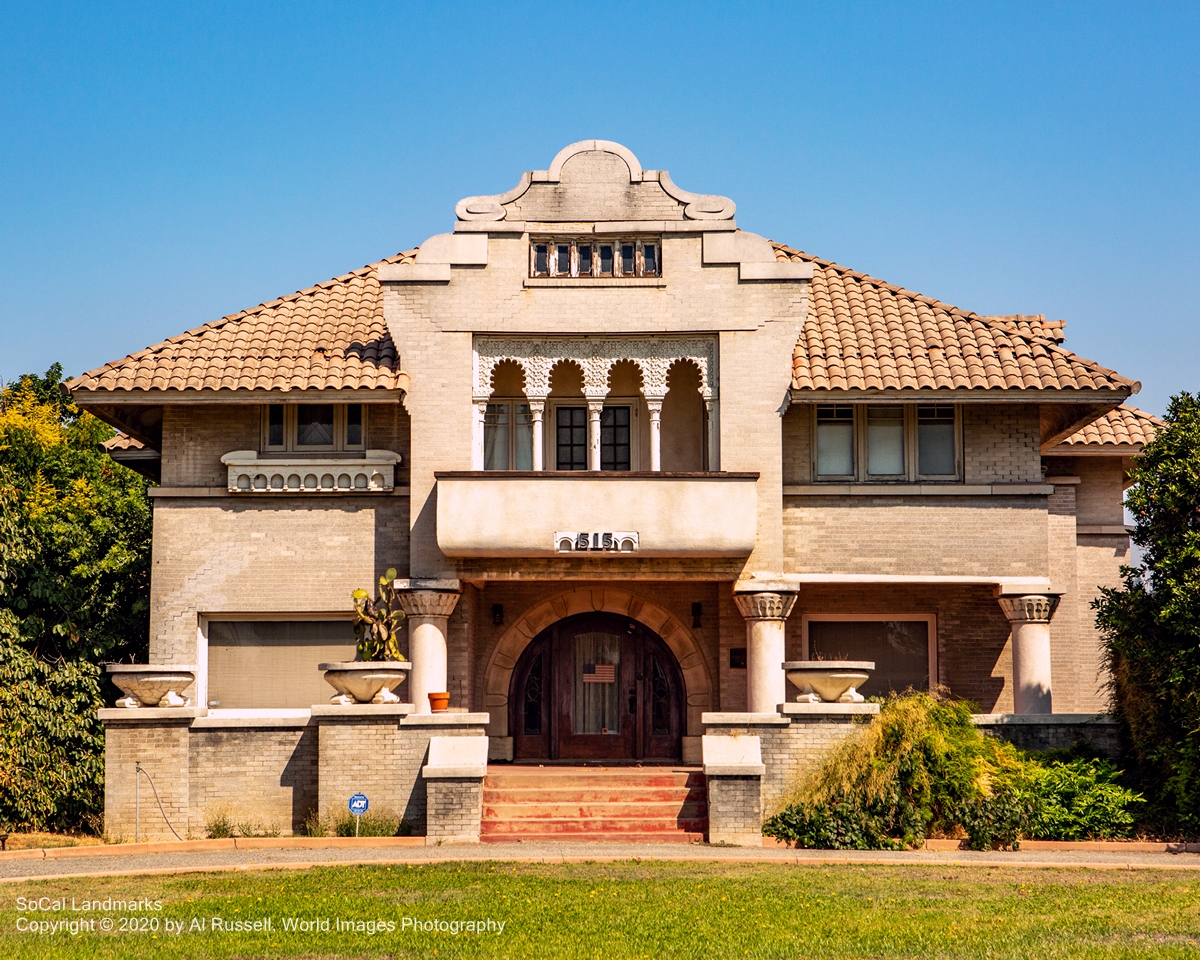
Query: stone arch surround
x=497 y=676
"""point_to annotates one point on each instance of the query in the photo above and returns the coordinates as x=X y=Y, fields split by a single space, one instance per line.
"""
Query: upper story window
x=879 y=443
x=584 y=257
x=508 y=436
x=316 y=427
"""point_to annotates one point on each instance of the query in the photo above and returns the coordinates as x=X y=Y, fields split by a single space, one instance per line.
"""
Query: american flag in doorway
x=599 y=673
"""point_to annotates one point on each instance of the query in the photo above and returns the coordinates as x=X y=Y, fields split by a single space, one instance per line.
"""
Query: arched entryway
x=597 y=686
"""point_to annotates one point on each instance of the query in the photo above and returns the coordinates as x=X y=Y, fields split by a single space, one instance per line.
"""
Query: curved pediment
x=594 y=180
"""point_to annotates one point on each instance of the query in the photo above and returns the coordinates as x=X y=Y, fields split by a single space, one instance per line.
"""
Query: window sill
x=654 y=282
x=251 y=473
x=917 y=490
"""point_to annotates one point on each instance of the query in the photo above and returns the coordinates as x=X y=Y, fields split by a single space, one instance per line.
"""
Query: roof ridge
x=968 y=315
x=211 y=325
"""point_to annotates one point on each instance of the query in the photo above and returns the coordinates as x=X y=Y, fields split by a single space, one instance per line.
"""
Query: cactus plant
x=376 y=621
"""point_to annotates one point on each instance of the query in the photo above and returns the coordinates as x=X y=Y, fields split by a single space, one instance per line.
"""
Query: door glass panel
x=597 y=690
x=532 y=703
x=660 y=698
x=523 y=437
x=900 y=649
x=495 y=437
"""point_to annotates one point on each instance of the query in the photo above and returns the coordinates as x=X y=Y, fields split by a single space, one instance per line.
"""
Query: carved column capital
x=1030 y=608
x=418 y=601
x=765 y=606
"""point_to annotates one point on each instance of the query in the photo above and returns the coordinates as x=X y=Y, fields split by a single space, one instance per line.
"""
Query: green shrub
x=923 y=769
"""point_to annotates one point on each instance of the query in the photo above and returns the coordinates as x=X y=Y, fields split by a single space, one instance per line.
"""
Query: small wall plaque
x=737 y=658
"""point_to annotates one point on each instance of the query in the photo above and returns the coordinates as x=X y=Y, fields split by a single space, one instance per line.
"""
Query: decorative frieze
x=595 y=356
x=1032 y=608
x=250 y=472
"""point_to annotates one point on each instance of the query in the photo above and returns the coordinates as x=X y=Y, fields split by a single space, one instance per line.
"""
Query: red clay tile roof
x=122 y=441
x=865 y=334
x=331 y=336
x=1124 y=426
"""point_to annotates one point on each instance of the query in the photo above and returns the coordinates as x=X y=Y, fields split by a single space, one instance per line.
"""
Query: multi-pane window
x=585 y=257
x=570 y=438
x=887 y=442
x=614 y=438
x=936 y=440
x=835 y=440
x=291 y=427
x=508 y=436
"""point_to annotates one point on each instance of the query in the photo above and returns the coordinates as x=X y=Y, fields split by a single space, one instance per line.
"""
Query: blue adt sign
x=358 y=804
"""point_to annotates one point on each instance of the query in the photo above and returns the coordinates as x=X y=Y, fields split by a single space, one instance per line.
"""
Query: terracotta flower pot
x=439 y=702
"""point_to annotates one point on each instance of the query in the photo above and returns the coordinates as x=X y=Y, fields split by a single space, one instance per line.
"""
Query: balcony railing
x=596 y=515
x=250 y=472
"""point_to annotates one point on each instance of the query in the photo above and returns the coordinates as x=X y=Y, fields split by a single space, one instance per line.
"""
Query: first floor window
x=899 y=648
x=936 y=440
x=272 y=664
x=835 y=440
x=508 y=436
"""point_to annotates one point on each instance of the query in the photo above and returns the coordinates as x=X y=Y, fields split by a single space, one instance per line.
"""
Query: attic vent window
x=564 y=258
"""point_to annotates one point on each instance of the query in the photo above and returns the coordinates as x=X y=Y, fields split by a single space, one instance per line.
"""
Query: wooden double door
x=597 y=686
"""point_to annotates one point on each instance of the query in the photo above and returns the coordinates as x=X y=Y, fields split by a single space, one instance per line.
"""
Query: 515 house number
x=596 y=541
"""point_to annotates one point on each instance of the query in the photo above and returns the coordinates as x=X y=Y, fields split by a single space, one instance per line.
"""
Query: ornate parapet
x=251 y=472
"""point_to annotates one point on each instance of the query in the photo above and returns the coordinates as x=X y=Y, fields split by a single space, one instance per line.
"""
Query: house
x=628 y=459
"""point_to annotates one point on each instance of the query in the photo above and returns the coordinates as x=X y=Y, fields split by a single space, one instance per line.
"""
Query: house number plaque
x=595 y=541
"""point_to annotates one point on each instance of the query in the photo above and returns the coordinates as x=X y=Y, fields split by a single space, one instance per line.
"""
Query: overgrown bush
x=382 y=823
x=1151 y=625
x=74 y=577
x=922 y=769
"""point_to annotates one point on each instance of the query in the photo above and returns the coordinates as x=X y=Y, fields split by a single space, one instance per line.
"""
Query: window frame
x=550 y=430
x=291 y=429
x=929 y=618
x=861 y=452
x=555 y=270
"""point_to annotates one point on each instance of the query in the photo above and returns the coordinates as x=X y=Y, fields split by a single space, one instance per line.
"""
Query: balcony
x=592 y=515
x=251 y=472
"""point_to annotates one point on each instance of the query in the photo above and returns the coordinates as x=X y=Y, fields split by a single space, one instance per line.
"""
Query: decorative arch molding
x=596 y=356
x=497 y=677
x=554 y=174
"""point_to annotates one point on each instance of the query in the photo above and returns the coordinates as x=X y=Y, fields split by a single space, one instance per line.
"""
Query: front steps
x=587 y=804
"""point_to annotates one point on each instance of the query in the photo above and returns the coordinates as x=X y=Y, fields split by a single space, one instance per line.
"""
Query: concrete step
x=538 y=809
x=564 y=827
x=594 y=794
x=677 y=836
x=524 y=778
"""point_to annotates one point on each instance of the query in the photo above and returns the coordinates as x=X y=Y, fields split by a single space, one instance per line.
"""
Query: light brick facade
x=1011 y=521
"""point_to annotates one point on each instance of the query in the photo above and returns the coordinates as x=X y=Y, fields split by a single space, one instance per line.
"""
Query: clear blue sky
x=164 y=164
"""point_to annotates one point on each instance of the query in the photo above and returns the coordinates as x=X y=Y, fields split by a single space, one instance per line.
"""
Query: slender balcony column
x=766 y=614
x=1029 y=616
x=594 y=408
x=427 y=605
x=478 y=417
x=655 y=434
x=536 y=410
x=714 y=434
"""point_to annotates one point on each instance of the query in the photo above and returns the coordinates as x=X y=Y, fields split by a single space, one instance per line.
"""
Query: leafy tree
x=75 y=533
x=1151 y=625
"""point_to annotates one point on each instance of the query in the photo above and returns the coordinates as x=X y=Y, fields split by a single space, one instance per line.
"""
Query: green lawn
x=630 y=910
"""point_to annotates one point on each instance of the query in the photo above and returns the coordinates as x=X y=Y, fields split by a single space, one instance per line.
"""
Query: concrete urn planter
x=365 y=681
x=152 y=685
x=829 y=681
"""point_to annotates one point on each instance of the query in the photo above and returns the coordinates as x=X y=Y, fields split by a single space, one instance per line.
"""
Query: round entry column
x=427 y=605
x=766 y=606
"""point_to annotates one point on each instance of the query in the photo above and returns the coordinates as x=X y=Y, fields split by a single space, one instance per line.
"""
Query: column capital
x=765 y=605
x=1029 y=608
x=428 y=598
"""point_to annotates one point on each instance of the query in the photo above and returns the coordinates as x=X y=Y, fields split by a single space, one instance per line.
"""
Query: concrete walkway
x=365 y=852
